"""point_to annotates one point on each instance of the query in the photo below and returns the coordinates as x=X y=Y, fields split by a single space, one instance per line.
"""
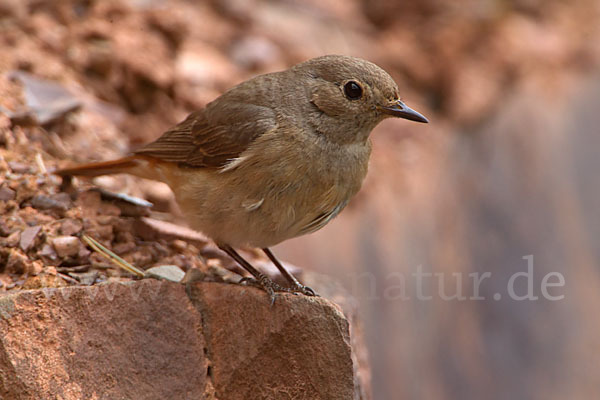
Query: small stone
x=150 y=229
x=47 y=251
x=26 y=190
x=168 y=272
x=63 y=199
x=17 y=262
x=59 y=201
x=71 y=226
x=66 y=246
x=18 y=167
x=28 y=237
x=43 y=202
x=122 y=248
x=5 y=230
x=101 y=232
x=13 y=239
x=179 y=245
x=7 y=194
x=36 y=268
x=89 y=202
x=85 y=278
x=83 y=254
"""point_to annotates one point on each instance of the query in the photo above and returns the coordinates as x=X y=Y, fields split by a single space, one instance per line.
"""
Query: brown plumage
x=275 y=157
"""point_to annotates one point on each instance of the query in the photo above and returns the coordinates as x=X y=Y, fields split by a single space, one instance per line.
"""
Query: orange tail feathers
x=125 y=165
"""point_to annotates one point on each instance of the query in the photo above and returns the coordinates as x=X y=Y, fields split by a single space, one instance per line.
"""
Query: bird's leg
x=296 y=287
x=261 y=279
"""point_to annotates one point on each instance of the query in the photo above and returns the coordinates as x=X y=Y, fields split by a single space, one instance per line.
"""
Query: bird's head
x=348 y=96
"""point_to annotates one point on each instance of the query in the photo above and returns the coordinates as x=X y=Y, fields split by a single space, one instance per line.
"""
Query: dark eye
x=352 y=90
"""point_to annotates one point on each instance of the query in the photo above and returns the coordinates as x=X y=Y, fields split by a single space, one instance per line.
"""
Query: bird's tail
x=125 y=165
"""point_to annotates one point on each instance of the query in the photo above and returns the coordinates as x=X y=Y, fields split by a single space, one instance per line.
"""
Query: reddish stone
x=147 y=340
x=299 y=348
x=28 y=237
x=137 y=340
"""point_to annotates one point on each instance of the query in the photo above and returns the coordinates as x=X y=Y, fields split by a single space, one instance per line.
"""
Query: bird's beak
x=401 y=110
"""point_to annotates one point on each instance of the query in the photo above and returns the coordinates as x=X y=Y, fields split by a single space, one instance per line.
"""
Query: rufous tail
x=125 y=165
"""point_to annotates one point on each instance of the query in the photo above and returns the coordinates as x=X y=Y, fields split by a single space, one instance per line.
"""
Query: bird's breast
x=274 y=192
x=301 y=191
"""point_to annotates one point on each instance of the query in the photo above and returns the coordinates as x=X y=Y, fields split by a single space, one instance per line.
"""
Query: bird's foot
x=266 y=284
x=297 y=287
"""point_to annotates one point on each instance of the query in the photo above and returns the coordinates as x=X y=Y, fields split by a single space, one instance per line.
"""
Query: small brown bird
x=275 y=157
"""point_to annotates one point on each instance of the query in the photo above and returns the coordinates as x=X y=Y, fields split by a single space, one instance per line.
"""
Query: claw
x=265 y=284
x=272 y=288
x=305 y=290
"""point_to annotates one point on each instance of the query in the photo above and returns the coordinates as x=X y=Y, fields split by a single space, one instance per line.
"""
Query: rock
x=66 y=246
x=298 y=348
x=71 y=226
x=28 y=237
x=46 y=100
x=47 y=252
x=151 y=229
x=7 y=194
x=138 y=340
x=85 y=278
x=42 y=202
x=169 y=272
x=17 y=262
x=146 y=339
x=36 y=268
x=129 y=206
x=124 y=247
x=13 y=239
x=19 y=167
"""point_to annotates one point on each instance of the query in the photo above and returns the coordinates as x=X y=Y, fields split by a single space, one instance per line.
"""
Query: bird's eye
x=352 y=90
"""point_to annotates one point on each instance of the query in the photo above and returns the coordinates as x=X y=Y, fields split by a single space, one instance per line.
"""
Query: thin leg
x=267 y=284
x=296 y=286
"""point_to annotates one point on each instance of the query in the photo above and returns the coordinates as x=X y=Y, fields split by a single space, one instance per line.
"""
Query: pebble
x=66 y=246
x=36 y=268
x=17 y=262
x=47 y=251
x=168 y=272
x=18 y=167
x=85 y=278
x=13 y=239
x=28 y=237
x=7 y=194
x=43 y=202
x=71 y=226
x=60 y=201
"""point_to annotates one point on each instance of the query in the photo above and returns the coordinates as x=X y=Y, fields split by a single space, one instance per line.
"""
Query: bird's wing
x=207 y=139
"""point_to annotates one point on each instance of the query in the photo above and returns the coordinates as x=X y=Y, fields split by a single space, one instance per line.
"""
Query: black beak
x=400 y=110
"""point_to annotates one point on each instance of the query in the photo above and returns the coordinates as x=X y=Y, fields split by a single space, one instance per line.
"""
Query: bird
x=275 y=157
